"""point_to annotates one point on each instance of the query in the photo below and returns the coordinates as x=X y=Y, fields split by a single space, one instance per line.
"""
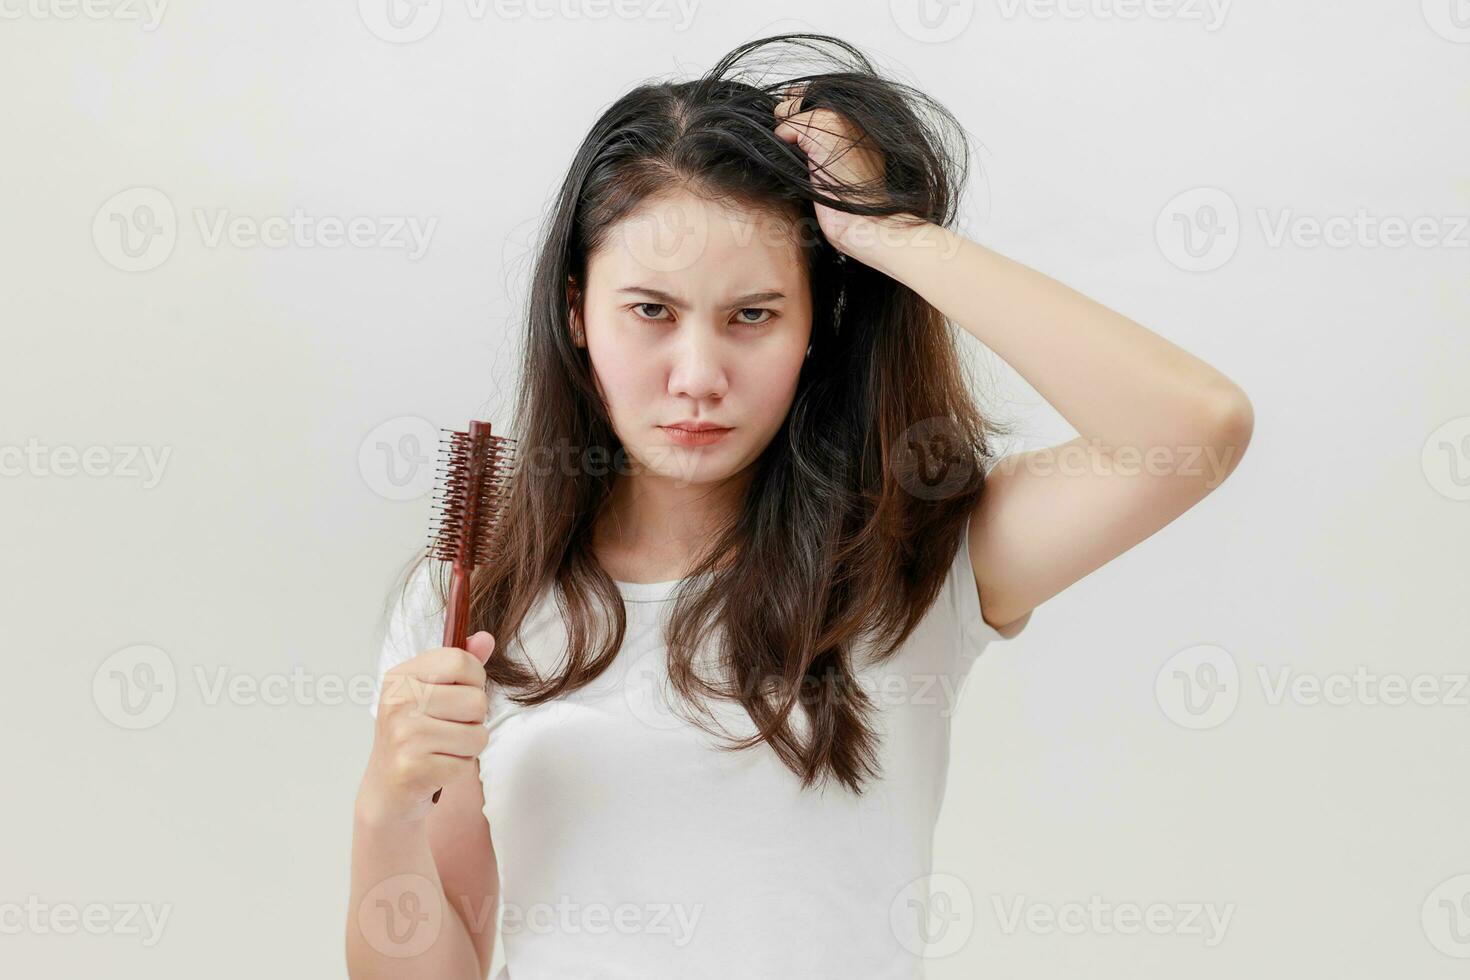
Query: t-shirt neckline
x=652 y=591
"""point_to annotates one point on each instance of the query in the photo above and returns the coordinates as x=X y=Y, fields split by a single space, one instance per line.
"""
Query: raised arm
x=1159 y=428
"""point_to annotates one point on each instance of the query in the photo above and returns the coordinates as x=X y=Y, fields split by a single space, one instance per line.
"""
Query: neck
x=664 y=519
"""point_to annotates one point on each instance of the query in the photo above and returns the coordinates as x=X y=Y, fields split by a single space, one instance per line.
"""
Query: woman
x=754 y=515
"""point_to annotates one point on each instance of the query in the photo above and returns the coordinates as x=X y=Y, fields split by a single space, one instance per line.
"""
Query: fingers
x=456 y=702
x=453 y=739
x=481 y=646
x=445 y=682
x=447 y=665
x=451 y=702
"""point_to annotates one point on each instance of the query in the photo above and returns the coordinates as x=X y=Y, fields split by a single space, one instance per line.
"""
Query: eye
x=755 y=309
x=640 y=306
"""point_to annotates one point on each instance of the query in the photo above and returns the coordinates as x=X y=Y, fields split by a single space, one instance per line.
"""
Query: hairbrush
x=472 y=481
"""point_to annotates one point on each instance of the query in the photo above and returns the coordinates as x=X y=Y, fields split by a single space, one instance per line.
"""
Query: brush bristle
x=469 y=509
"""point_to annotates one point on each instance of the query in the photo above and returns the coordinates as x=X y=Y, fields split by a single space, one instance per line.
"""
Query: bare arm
x=1159 y=428
x=425 y=883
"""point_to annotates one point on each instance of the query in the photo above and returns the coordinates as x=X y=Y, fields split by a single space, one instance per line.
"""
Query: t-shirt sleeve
x=975 y=634
x=415 y=624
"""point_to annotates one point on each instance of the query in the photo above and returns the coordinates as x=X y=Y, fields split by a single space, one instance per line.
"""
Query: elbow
x=1230 y=421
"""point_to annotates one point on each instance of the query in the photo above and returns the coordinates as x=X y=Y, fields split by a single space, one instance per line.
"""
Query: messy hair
x=845 y=536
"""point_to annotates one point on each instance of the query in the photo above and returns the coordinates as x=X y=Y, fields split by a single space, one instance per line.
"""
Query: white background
x=1332 y=832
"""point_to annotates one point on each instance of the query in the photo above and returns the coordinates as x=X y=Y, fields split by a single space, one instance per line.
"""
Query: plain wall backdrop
x=212 y=456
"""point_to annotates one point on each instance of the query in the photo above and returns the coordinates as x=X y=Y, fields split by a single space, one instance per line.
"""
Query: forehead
x=698 y=247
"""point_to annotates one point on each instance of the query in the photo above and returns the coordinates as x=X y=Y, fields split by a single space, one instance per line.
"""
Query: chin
x=688 y=467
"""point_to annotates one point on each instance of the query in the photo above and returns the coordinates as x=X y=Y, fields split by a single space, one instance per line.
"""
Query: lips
x=695 y=434
x=692 y=426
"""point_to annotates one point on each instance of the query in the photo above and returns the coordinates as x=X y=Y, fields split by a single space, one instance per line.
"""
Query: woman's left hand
x=838 y=162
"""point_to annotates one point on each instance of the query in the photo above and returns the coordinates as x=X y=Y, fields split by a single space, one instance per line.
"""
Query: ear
x=574 y=313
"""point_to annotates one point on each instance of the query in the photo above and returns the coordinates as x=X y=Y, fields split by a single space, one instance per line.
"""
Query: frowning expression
x=696 y=314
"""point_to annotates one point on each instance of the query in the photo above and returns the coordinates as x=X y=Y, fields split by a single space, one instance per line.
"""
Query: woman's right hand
x=430 y=729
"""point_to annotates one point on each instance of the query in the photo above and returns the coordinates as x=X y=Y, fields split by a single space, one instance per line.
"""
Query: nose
x=697 y=370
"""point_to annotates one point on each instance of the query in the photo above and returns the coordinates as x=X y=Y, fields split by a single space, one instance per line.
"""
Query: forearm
x=400 y=924
x=1115 y=381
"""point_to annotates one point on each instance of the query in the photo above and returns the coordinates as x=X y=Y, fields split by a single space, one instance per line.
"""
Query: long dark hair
x=855 y=509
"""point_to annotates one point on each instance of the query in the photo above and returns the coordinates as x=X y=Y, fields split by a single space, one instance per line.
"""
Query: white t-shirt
x=629 y=846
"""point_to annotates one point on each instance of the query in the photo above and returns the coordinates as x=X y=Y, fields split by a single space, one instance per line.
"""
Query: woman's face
x=696 y=314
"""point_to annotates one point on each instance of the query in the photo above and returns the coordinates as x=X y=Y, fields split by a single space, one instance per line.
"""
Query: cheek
x=772 y=380
x=627 y=379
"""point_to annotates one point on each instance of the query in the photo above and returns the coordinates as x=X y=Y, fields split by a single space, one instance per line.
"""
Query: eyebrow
x=670 y=299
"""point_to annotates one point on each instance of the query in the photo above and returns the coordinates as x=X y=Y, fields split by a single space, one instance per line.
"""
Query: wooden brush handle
x=457 y=607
